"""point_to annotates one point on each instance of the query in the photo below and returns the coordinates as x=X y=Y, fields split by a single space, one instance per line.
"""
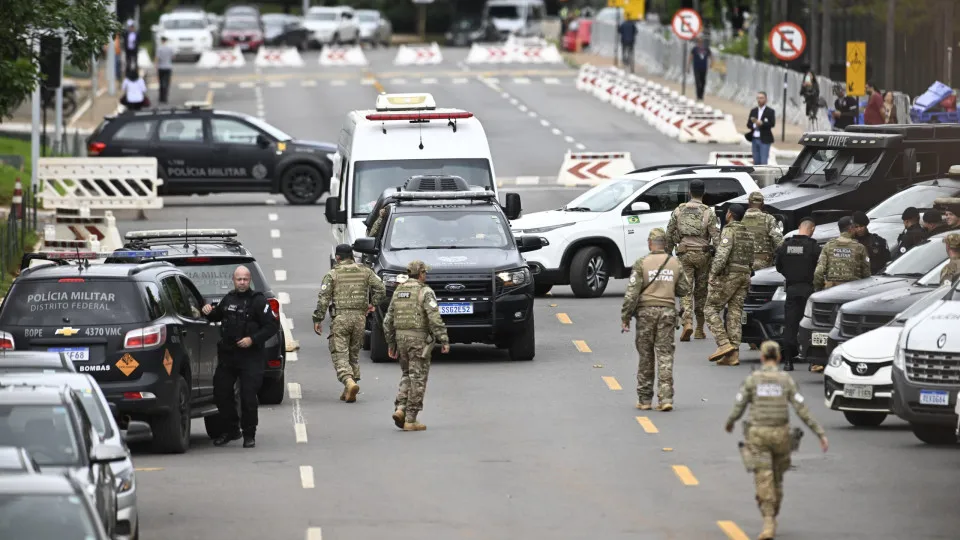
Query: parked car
x=189 y=33
x=281 y=30
x=47 y=506
x=466 y=31
x=375 y=29
x=243 y=32
x=332 y=25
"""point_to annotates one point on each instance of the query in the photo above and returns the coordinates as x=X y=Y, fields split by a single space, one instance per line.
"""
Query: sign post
x=686 y=25
x=856 y=68
x=787 y=42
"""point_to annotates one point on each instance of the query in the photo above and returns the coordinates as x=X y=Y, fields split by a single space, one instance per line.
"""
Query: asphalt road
x=551 y=448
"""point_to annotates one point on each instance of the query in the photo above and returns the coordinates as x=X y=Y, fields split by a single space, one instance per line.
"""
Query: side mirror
x=263 y=141
x=137 y=431
x=638 y=207
x=513 y=207
x=910 y=162
x=530 y=243
x=114 y=411
x=365 y=245
x=107 y=453
x=333 y=213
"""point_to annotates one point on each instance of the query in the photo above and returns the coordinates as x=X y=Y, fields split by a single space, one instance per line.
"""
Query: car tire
x=302 y=184
x=541 y=289
x=936 y=435
x=171 y=433
x=589 y=272
x=865 y=419
x=213 y=426
x=524 y=346
x=272 y=390
x=378 y=345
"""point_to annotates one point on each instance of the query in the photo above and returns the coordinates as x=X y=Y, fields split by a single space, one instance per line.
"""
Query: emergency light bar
x=181 y=233
x=418 y=116
x=435 y=195
x=405 y=102
x=74 y=255
x=128 y=253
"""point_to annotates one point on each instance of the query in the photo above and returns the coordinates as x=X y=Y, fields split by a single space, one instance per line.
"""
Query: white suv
x=332 y=25
x=602 y=232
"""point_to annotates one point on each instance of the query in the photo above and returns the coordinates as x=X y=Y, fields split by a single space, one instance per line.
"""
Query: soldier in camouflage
x=694 y=233
x=843 y=259
x=770 y=392
x=767 y=236
x=375 y=228
x=952 y=269
x=411 y=327
x=729 y=279
x=354 y=290
x=655 y=281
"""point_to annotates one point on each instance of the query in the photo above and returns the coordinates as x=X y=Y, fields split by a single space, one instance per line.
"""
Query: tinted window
x=139 y=130
x=184 y=24
x=216 y=279
x=448 y=230
x=46 y=431
x=666 y=196
x=88 y=303
x=368 y=17
x=153 y=301
x=233 y=132
x=919 y=260
x=45 y=516
x=172 y=289
x=605 y=196
x=720 y=190
x=503 y=12
x=181 y=130
x=370 y=178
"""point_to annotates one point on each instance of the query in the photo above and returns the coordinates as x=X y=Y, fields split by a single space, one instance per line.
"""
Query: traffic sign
x=635 y=10
x=856 y=68
x=687 y=24
x=616 y=3
x=787 y=41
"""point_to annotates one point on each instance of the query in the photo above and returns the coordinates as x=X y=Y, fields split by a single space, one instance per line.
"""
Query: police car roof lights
x=136 y=253
x=405 y=102
x=417 y=116
x=444 y=195
x=82 y=255
x=181 y=233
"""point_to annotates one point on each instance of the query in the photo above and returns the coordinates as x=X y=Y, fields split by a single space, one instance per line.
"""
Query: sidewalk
x=740 y=113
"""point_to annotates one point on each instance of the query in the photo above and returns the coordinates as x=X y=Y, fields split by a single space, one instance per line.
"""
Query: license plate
x=743 y=319
x=458 y=308
x=74 y=354
x=819 y=339
x=858 y=391
x=244 y=46
x=935 y=397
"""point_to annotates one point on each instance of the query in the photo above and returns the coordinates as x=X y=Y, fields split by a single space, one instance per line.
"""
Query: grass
x=8 y=178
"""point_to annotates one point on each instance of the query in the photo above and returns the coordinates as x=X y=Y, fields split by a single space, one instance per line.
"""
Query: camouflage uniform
x=843 y=259
x=349 y=286
x=729 y=280
x=375 y=228
x=693 y=231
x=766 y=234
x=952 y=269
x=769 y=391
x=653 y=305
x=412 y=319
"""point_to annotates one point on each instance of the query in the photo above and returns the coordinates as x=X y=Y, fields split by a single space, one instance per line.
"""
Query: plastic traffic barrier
x=343 y=56
x=278 y=57
x=418 y=55
x=99 y=183
x=593 y=168
x=222 y=58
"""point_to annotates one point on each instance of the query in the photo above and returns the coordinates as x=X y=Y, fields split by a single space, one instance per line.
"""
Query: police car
x=200 y=151
x=136 y=328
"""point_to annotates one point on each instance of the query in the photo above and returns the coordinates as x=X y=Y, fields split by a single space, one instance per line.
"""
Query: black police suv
x=136 y=328
x=202 y=151
x=208 y=257
x=483 y=286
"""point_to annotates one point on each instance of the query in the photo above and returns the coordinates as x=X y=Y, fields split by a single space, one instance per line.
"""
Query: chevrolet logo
x=67 y=331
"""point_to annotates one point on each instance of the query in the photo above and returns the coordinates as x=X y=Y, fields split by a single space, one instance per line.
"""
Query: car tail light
x=273 y=363
x=139 y=395
x=145 y=338
x=419 y=116
x=71 y=280
x=96 y=148
x=6 y=340
x=198 y=259
x=275 y=306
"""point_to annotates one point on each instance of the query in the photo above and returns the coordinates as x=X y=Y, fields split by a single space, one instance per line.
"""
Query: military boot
x=722 y=351
x=665 y=406
x=343 y=395
x=411 y=424
x=644 y=406
x=732 y=359
x=398 y=417
x=699 y=333
x=769 y=529
x=687 y=330
x=351 y=389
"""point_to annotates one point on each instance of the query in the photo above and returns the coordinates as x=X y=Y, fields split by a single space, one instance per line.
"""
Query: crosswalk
x=393 y=81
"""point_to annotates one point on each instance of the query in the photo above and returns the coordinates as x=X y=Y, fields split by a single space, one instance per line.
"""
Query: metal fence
x=14 y=233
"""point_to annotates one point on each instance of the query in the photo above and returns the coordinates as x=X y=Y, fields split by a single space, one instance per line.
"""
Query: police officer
x=730 y=274
x=933 y=223
x=949 y=207
x=952 y=269
x=912 y=231
x=247 y=323
x=768 y=391
x=767 y=236
x=411 y=327
x=354 y=290
x=694 y=231
x=796 y=259
x=876 y=246
x=655 y=281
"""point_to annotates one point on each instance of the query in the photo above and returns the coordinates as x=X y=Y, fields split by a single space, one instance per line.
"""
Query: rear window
x=214 y=277
x=50 y=303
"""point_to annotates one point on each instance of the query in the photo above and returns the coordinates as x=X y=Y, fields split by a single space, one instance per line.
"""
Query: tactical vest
x=692 y=224
x=741 y=255
x=350 y=291
x=660 y=292
x=756 y=222
x=842 y=266
x=770 y=407
x=408 y=313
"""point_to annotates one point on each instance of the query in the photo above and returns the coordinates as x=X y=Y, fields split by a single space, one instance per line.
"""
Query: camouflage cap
x=948 y=204
x=657 y=235
x=756 y=197
x=415 y=267
x=952 y=241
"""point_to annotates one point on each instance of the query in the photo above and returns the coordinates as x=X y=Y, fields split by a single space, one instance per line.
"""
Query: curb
x=544 y=181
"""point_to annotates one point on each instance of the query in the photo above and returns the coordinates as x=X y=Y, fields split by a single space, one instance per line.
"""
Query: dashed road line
x=273 y=217
x=277 y=84
x=523 y=108
x=564 y=318
x=186 y=86
x=277 y=253
x=647 y=425
x=568 y=138
x=294 y=390
x=612 y=383
x=732 y=531
x=306 y=477
x=217 y=85
x=283 y=298
x=580 y=146
x=280 y=275
x=247 y=84
x=368 y=82
x=551 y=80
x=532 y=114
x=148 y=469
x=292 y=356
x=308 y=83
x=521 y=80
x=290 y=323
x=545 y=123
x=581 y=346
x=556 y=131
x=299 y=426
x=398 y=81
x=687 y=477
x=274 y=233
x=313 y=533
x=338 y=82
x=428 y=80
x=461 y=80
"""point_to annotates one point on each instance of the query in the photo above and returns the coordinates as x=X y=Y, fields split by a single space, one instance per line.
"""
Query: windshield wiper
x=907 y=274
x=435 y=247
x=576 y=209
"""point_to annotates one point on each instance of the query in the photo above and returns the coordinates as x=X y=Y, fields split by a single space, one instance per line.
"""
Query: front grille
x=869 y=368
x=854 y=325
x=475 y=286
x=758 y=295
x=932 y=368
x=825 y=314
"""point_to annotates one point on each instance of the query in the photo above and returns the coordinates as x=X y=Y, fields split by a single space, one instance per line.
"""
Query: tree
x=86 y=24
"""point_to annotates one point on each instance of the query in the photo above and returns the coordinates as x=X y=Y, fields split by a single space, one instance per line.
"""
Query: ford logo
x=942 y=341
x=861 y=368
x=455 y=287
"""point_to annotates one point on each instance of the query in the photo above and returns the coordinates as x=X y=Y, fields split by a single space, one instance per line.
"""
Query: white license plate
x=74 y=354
x=858 y=391
x=458 y=308
x=819 y=339
x=935 y=397
x=743 y=319
x=244 y=46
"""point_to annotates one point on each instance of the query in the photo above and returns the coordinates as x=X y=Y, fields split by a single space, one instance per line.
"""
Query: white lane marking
x=428 y=80
x=273 y=217
x=532 y=114
x=368 y=82
x=557 y=131
x=283 y=298
x=277 y=253
x=313 y=533
x=491 y=80
x=294 y=390
x=292 y=356
x=186 y=85
x=306 y=476
x=461 y=80
x=290 y=323
x=521 y=80
x=505 y=95
x=551 y=80
x=217 y=85
x=544 y=123
x=271 y=201
x=309 y=82
x=274 y=233
x=527 y=180
x=568 y=138
x=299 y=426
x=398 y=81
x=277 y=84
x=247 y=84
x=280 y=275
x=338 y=82
x=580 y=146
x=523 y=108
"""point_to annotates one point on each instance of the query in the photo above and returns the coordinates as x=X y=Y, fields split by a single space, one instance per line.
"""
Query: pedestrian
x=933 y=223
x=810 y=92
x=134 y=90
x=730 y=274
x=846 y=108
x=354 y=290
x=873 y=112
x=889 y=109
x=770 y=392
x=693 y=230
x=877 y=248
x=131 y=46
x=700 y=59
x=628 y=37
x=912 y=233
x=761 y=122
x=949 y=208
x=412 y=327
x=952 y=269
x=163 y=58
x=796 y=259
x=247 y=322
x=766 y=232
x=655 y=281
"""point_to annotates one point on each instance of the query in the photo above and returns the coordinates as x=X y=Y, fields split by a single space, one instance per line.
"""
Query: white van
x=516 y=17
x=405 y=135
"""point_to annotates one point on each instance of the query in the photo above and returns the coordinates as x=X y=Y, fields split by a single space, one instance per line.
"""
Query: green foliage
x=86 y=25
x=740 y=46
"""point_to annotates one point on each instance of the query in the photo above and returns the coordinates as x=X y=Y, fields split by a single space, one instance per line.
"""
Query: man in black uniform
x=877 y=248
x=933 y=223
x=796 y=259
x=247 y=323
x=912 y=231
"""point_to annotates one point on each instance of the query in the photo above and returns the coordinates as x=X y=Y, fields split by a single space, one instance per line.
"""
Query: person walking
x=655 y=281
x=163 y=59
x=846 y=108
x=134 y=90
x=770 y=393
x=912 y=233
x=873 y=112
x=767 y=236
x=810 y=92
x=730 y=274
x=796 y=259
x=411 y=327
x=877 y=248
x=628 y=37
x=131 y=46
x=700 y=59
x=761 y=123
x=952 y=269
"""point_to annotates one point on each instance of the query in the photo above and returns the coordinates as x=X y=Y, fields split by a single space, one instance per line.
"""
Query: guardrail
x=99 y=183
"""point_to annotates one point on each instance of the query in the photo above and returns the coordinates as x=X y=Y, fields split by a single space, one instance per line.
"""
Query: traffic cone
x=18 y=198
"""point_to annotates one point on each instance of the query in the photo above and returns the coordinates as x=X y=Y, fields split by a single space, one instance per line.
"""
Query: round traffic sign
x=787 y=41
x=687 y=24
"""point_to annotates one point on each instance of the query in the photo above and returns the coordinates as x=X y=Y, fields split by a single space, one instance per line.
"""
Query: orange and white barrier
x=593 y=168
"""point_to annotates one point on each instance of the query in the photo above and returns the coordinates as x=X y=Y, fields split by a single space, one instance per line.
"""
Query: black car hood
x=767 y=276
x=890 y=302
x=792 y=196
x=296 y=145
x=454 y=260
x=853 y=290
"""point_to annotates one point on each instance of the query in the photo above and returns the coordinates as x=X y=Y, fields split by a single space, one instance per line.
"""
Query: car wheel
x=272 y=389
x=589 y=272
x=378 y=345
x=302 y=184
x=524 y=346
x=938 y=435
x=541 y=289
x=865 y=419
x=213 y=425
x=171 y=433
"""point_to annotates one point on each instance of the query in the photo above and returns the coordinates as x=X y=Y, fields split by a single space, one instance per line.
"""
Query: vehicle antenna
x=186 y=233
x=420 y=131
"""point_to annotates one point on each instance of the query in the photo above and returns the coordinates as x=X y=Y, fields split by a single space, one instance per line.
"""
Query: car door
x=99 y=475
x=242 y=156
x=181 y=150
x=209 y=337
x=662 y=198
x=188 y=331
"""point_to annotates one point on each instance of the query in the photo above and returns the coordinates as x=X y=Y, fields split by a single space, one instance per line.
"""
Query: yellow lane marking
x=148 y=469
x=685 y=475
x=581 y=345
x=209 y=97
x=647 y=425
x=564 y=318
x=732 y=531
x=612 y=383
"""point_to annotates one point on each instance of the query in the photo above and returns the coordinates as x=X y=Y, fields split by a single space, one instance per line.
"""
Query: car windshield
x=81 y=302
x=918 y=261
x=853 y=162
x=371 y=178
x=932 y=279
x=368 y=16
x=215 y=278
x=64 y=517
x=184 y=24
x=43 y=430
x=605 y=197
x=920 y=197
x=925 y=301
x=448 y=230
x=503 y=12
x=273 y=131
x=241 y=24
x=322 y=16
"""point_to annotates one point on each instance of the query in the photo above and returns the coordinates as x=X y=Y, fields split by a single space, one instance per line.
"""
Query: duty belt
x=412 y=333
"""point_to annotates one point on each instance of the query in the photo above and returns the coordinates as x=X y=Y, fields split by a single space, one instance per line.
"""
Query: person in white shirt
x=134 y=90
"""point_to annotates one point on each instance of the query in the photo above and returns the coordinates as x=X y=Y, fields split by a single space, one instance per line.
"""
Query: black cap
x=697 y=187
x=738 y=211
x=844 y=223
x=860 y=218
x=910 y=213
x=344 y=251
x=933 y=217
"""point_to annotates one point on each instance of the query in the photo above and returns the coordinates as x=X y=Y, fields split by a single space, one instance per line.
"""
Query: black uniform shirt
x=245 y=314
x=877 y=250
x=796 y=259
x=908 y=239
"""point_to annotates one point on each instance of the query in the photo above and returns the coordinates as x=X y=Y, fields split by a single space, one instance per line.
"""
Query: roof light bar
x=74 y=255
x=418 y=116
x=181 y=233
x=434 y=195
x=405 y=102
x=133 y=253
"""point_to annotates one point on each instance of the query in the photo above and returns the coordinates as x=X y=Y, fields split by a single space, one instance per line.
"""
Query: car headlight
x=780 y=294
x=835 y=358
x=899 y=353
x=389 y=279
x=513 y=278
x=808 y=310
x=541 y=230
x=125 y=481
